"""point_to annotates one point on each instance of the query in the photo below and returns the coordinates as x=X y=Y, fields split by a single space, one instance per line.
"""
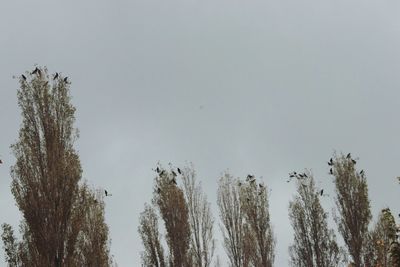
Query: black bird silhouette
x=249 y=176
x=55 y=76
x=35 y=71
x=179 y=171
x=291 y=175
x=330 y=171
x=158 y=170
x=322 y=192
x=354 y=162
x=105 y=192
x=173 y=173
x=330 y=162
x=23 y=77
x=305 y=175
x=362 y=172
x=348 y=156
x=1 y=162
x=66 y=79
x=301 y=175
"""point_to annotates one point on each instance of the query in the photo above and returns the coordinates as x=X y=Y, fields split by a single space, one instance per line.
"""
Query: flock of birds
x=38 y=72
x=331 y=163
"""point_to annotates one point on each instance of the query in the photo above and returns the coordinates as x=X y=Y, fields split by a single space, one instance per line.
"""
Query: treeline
x=247 y=233
x=63 y=219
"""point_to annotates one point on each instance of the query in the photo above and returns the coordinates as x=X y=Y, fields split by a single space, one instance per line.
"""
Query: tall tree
x=314 y=244
x=169 y=200
x=259 y=238
x=202 y=243
x=244 y=212
x=353 y=206
x=381 y=239
x=232 y=218
x=46 y=175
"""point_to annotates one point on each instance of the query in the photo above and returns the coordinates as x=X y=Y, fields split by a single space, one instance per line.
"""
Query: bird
x=354 y=162
x=1 y=162
x=260 y=185
x=348 y=156
x=23 y=77
x=66 y=79
x=249 y=176
x=35 y=71
x=330 y=171
x=301 y=175
x=105 y=192
x=55 y=76
x=179 y=171
x=173 y=173
x=322 y=192
x=362 y=172
x=330 y=162
x=305 y=175
x=158 y=170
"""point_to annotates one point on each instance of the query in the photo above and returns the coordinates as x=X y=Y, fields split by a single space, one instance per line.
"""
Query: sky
x=262 y=87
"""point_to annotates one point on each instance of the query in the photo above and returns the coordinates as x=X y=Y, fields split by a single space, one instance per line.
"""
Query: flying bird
x=55 y=76
x=348 y=156
x=179 y=171
x=23 y=77
x=322 y=192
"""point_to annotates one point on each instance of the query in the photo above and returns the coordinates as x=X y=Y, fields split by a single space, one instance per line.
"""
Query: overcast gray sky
x=263 y=87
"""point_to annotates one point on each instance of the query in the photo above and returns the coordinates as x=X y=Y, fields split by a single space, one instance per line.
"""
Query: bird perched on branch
x=55 y=76
x=179 y=171
x=23 y=77
x=106 y=193
x=330 y=162
x=348 y=156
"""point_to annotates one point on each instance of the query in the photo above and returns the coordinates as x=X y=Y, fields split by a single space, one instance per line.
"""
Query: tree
x=381 y=239
x=244 y=212
x=353 y=206
x=153 y=255
x=45 y=181
x=169 y=200
x=314 y=244
x=259 y=238
x=202 y=243
x=232 y=218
